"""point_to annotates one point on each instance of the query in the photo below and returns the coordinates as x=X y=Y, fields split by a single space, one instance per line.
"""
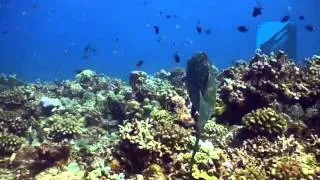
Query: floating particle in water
x=310 y=27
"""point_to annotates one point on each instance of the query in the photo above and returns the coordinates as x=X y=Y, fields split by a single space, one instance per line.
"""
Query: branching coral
x=261 y=147
x=205 y=161
x=161 y=115
x=155 y=172
x=145 y=86
x=313 y=146
x=294 y=167
x=313 y=76
x=139 y=133
x=13 y=98
x=154 y=141
x=250 y=173
x=217 y=133
x=13 y=122
x=266 y=121
x=64 y=126
x=9 y=143
x=174 y=138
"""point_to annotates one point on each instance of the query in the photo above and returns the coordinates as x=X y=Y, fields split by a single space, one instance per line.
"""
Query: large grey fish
x=202 y=89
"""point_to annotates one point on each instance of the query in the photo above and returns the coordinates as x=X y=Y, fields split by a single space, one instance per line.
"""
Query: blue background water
x=47 y=41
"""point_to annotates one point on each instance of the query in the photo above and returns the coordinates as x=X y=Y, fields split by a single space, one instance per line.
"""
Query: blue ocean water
x=47 y=39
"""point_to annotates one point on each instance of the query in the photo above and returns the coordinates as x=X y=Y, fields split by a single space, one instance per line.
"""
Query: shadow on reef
x=265 y=125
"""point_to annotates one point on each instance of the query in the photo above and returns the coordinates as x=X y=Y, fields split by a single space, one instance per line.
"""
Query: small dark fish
x=175 y=16
x=168 y=16
x=301 y=17
x=199 y=29
x=257 y=11
x=285 y=19
x=87 y=48
x=309 y=27
x=117 y=39
x=139 y=63
x=208 y=31
x=88 y=51
x=177 y=58
x=145 y=3
x=156 y=29
x=243 y=29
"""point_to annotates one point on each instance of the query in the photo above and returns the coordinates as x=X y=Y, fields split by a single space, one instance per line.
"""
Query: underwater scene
x=159 y=90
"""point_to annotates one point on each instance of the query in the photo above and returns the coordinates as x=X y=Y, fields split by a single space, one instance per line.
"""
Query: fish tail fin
x=194 y=152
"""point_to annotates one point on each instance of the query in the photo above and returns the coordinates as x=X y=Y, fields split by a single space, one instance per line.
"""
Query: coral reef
x=265 y=125
x=30 y=161
x=246 y=87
